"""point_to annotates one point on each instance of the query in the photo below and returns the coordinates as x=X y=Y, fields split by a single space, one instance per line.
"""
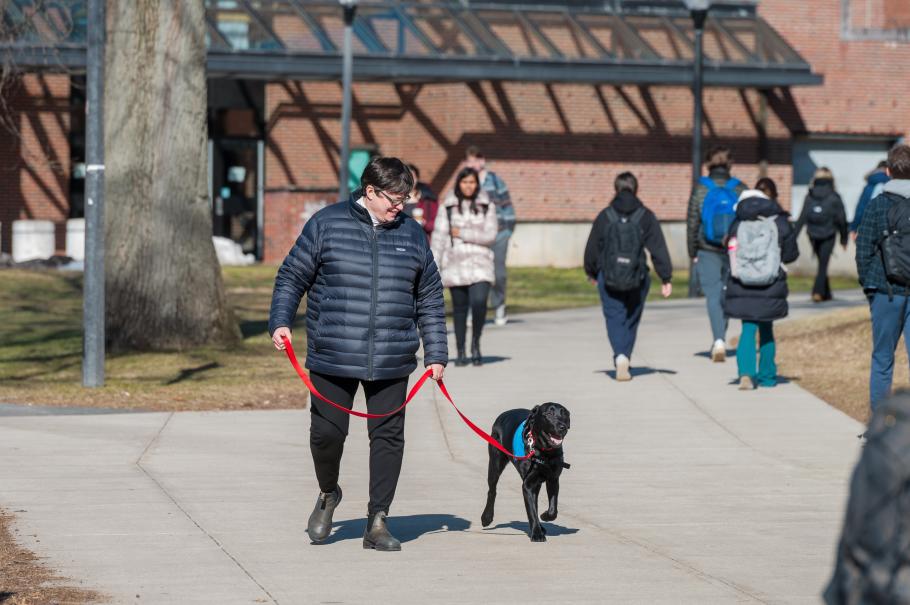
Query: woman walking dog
x=371 y=284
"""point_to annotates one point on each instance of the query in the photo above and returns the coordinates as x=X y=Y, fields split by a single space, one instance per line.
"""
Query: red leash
x=289 y=350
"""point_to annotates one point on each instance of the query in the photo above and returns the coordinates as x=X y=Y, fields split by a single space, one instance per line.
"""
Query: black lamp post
x=350 y=9
x=698 y=9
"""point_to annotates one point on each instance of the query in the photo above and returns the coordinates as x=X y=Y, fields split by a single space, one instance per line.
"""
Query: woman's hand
x=456 y=232
x=279 y=335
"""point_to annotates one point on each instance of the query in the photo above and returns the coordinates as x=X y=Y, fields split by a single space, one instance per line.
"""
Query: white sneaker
x=501 y=319
x=745 y=383
x=622 y=369
x=719 y=351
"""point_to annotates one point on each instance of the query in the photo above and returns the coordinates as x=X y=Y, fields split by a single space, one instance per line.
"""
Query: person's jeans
x=890 y=318
x=329 y=429
x=823 y=249
x=711 y=271
x=500 y=249
x=746 y=354
x=473 y=298
x=622 y=313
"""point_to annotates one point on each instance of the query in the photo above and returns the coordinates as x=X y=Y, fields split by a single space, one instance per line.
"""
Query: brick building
x=557 y=143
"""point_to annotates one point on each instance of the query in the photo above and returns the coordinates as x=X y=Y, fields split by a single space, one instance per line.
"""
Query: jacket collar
x=359 y=213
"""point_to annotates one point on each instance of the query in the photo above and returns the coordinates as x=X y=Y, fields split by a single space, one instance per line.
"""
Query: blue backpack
x=717 y=211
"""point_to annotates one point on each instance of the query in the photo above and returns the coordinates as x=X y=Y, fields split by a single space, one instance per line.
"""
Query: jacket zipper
x=373 y=296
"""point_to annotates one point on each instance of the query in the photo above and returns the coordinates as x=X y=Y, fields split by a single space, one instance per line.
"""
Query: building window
x=885 y=20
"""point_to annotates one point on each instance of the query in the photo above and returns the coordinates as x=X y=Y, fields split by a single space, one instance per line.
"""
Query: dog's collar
x=523 y=441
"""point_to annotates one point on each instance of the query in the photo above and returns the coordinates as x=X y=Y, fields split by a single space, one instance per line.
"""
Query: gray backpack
x=755 y=259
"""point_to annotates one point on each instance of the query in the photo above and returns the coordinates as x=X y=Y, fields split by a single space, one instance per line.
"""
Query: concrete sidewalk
x=682 y=488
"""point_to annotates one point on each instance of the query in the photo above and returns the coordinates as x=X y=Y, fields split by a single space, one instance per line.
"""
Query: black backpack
x=895 y=242
x=624 y=263
x=820 y=217
x=873 y=556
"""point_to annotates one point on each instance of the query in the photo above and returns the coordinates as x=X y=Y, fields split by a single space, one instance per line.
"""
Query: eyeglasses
x=393 y=202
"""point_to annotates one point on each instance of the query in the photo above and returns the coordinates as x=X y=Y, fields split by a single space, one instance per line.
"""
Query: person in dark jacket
x=872 y=565
x=709 y=262
x=824 y=217
x=889 y=303
x=371 y=285
x=423 y=204
x=759 y=306
x=622 y=310
x=875 y=181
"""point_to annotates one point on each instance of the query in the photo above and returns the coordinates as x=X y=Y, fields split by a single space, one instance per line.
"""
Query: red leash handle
x=309 y=384
x=289 y=350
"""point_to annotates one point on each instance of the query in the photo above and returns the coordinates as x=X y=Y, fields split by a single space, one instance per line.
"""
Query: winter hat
x=751 y=193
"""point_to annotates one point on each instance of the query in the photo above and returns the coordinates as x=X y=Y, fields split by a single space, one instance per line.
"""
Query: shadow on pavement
x=707 y=354
x=406 y=528
x=551 y=528
x=640 y=371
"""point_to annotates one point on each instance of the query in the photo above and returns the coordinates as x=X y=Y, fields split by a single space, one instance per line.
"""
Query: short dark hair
x=415 y=170
x=899 y=162
x=719 y=156
x=387 y=174
x=626 y=181
x=473 y=151
x=767 y=186
x=882 y=164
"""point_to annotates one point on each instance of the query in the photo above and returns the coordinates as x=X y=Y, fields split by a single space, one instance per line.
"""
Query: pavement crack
x=154 y=440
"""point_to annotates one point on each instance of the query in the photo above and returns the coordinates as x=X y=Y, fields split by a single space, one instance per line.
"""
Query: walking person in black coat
x=623 y=292
x=824 y=217
x=371 y=286
x=758 y=305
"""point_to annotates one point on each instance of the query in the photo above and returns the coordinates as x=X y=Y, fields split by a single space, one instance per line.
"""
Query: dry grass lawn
x=831 y=357
x=25 y=580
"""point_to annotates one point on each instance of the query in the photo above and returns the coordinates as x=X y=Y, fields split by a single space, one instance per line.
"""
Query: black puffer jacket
x=823 y=200
x=368 y=289
x=762 y=303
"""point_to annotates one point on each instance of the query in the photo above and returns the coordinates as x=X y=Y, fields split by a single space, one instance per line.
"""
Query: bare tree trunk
x=164 y=286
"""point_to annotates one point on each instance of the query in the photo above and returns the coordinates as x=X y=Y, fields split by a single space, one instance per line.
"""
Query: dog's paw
x=546 y=516
x=486 y=518
x=538 y=535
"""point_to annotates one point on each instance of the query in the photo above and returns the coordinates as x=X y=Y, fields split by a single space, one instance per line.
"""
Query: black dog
x=541 y=430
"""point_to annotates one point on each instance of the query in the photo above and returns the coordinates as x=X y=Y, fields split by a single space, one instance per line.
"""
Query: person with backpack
x=875 y=182
x=824 y=217
x=498 y=193
x=615 y=261
x=883 y=265
x=462 y=244
x=708 y=219
x=759 y=243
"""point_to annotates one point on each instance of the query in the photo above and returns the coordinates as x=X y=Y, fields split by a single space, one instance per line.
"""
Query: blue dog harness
x=518 y=443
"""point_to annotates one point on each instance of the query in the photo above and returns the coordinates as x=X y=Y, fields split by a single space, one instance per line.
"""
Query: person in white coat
x=462 y=243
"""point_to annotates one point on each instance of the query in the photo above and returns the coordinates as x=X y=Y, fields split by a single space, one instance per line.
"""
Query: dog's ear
x=535 y=410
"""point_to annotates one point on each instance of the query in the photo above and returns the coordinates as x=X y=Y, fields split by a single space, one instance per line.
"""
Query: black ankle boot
x=320 y=524
x=462 y=359
x=476 y=357
x=377 y=534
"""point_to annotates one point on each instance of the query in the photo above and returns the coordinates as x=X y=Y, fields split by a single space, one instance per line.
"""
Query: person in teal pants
x=758 y=306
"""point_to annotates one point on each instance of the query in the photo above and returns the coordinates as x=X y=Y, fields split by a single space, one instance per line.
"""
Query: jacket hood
x=719 y=173
x=625 y=202
x=754 y=207
x=900 y=187
x=879 y=176
x=822 y=189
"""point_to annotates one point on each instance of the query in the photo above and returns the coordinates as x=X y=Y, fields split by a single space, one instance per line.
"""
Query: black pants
x=329 y=428
x=474 y=296
x=823 y=249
